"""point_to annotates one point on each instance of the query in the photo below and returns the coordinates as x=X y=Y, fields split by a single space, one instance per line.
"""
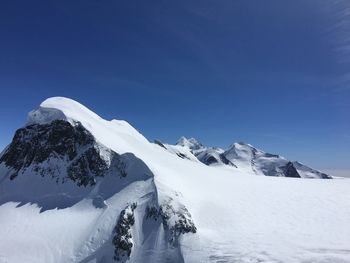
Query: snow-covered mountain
x=77 y=188
x=250 y=159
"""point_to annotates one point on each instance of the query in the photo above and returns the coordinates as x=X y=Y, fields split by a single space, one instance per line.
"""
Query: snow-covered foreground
x=238 y=217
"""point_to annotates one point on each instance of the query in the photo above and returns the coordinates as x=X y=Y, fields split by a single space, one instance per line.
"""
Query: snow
x=239 y=217
x=245 y=157
x=63 y=109
x=191 y=143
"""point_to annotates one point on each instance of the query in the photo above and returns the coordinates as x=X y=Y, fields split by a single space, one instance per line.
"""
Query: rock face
x=158 y=142
x=176 y=221
x=290 y=171
x=36 y=143
x=122 y=240
x=212 y=156
x=174 y=217
x=59 y=147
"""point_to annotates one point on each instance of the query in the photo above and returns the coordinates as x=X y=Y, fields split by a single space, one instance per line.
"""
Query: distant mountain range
x=243 y=157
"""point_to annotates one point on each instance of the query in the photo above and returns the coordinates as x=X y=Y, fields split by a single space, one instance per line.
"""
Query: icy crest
x=60 y=108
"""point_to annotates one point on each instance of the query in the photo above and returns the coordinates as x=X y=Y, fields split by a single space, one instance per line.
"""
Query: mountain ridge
x=246 y=156
x=129 y=200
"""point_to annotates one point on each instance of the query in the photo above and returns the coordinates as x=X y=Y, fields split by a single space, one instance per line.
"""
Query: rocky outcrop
x=84 y=169
x=176 y=222
x=122 y=240
x=182 y=155
x=158 y=142
x=212 y=156
x=290 y=171
x=226 y=161
x=209 y=160
x=60 y=150
x=36 y=143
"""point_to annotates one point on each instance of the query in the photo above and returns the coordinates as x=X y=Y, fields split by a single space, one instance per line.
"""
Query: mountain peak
x=60 y=108
x=191 y=143
x=242 y=144
x=132 y=193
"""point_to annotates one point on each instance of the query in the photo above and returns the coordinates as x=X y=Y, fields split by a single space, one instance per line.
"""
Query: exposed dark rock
x=37 y=143
x=84 y=169
x=210 y=160
x=183 y=225
x=122 y=239
x=290 y=171
x=325 y=176
x=182 y=156
x=152 y=212
x=60 y=150
x=160 y=143
x=226 y=161
x=270 y=155
x=175 y=222
x=301 y=167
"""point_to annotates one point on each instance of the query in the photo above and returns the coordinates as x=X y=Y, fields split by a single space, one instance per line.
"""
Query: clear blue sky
x=271 y=73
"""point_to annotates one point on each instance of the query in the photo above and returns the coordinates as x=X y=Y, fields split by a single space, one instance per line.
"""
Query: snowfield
x=185 y=210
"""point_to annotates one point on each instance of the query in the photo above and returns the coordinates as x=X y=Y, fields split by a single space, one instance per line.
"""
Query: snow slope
x=236 y=217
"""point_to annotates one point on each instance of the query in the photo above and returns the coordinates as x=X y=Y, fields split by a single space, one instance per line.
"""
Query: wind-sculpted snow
x=76 y=176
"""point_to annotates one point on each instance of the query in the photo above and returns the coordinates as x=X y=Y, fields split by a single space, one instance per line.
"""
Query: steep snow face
x=255 y=161
x=307 y=172
x=164 y=208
